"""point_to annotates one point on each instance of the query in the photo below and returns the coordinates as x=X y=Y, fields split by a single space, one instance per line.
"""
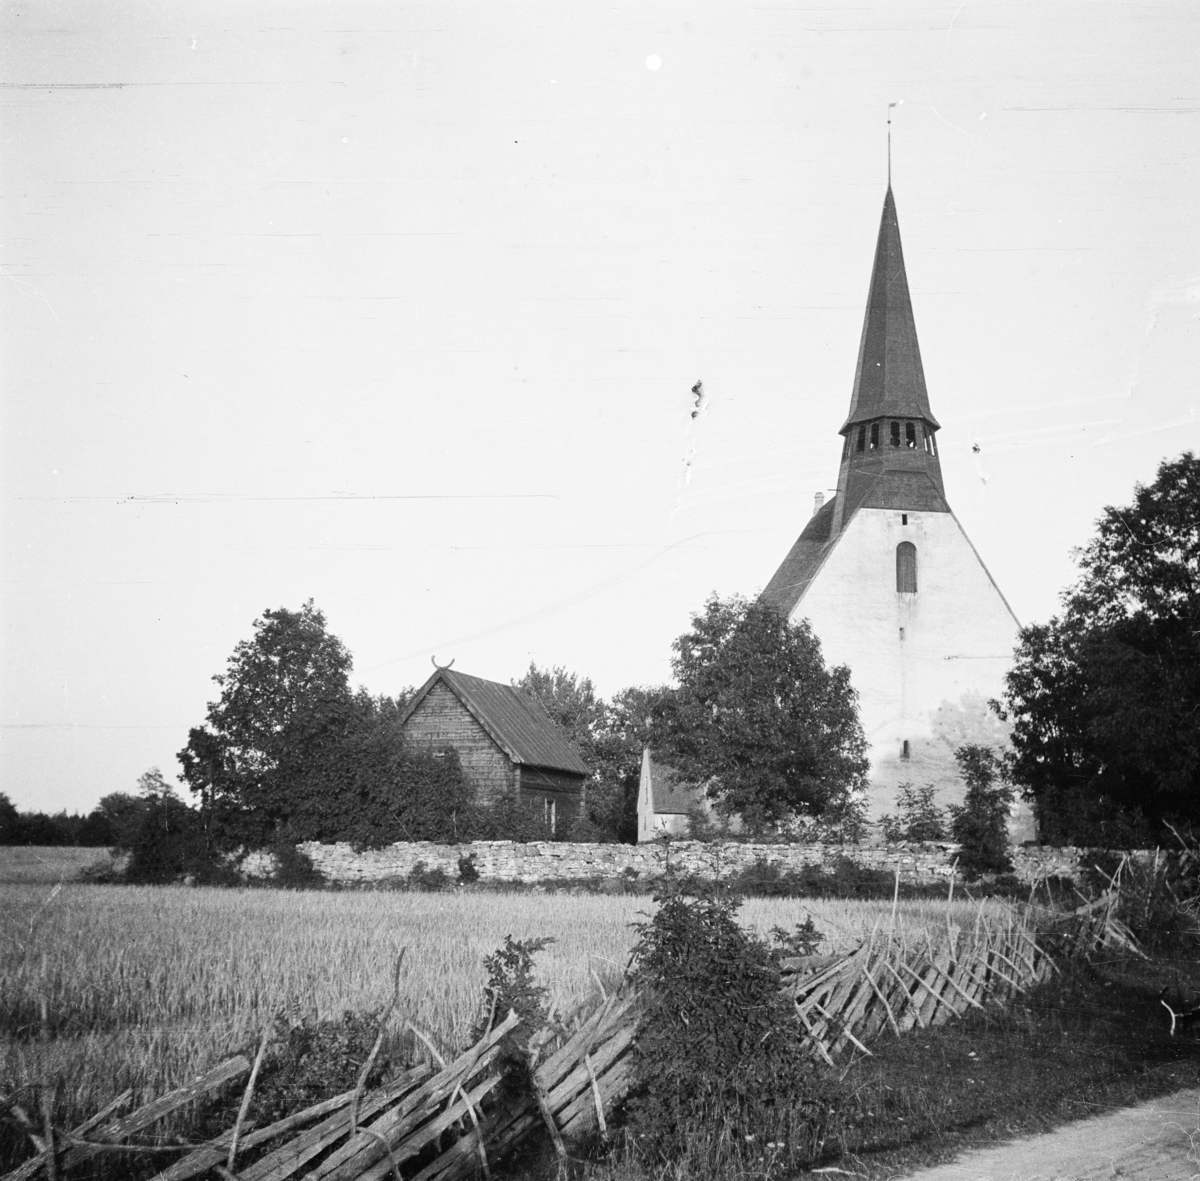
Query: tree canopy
x=289 y=750
x=610 y=736
x=285 y=694
x=760 y=719
x=1105 y=698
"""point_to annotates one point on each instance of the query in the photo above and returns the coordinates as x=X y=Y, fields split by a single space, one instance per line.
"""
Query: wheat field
x=105 y=988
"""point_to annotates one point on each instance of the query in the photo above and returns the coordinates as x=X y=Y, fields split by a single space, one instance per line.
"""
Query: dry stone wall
x=561 y=861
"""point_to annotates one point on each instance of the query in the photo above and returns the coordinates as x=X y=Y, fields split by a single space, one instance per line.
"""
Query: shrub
x=721 y=1071
x=294 y=869
x=511 y=987
x=918 y=818
x=421 y=877
x=311 y=1060
x=980 y=824
x=171 y=845
x=467 y=872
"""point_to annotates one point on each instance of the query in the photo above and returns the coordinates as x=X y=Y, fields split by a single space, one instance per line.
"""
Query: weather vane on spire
x=898 y=103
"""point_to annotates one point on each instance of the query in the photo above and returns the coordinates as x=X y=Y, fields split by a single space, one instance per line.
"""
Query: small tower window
x=895 y=434
x=910 y=435
x=874 y=435
x=845 y=448
x=906 y=568
x=905 y=750
x=862 y=438
x=929 y=444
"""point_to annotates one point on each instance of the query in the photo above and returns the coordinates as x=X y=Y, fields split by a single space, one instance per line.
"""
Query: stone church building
x=884 y=572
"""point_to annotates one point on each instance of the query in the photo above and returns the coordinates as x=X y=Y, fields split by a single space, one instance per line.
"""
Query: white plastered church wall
x=910 y=655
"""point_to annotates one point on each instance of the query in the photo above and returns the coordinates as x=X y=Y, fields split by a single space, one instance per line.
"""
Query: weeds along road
x=1155 y=1141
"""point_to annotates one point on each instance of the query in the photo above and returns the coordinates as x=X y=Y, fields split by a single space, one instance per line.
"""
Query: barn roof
x=516 y=721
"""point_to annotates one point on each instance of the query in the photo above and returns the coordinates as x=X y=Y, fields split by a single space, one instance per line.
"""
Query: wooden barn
x=505 y=741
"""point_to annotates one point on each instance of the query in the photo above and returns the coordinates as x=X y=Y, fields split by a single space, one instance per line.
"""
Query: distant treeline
x=62 y=828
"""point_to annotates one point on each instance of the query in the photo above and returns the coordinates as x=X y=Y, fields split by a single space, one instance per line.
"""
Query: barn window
x=550 y=813
x=895 y=431
x=906 y=568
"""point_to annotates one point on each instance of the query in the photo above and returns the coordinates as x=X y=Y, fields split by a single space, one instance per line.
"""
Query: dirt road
x=1156 y=1141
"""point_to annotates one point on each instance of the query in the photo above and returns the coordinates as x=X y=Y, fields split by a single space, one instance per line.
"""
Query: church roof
x=804 y=559
x=889 y=380
x=670 y=794
x=515 y=720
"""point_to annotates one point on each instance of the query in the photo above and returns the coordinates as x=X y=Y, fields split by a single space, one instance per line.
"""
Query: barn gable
x=505 y=741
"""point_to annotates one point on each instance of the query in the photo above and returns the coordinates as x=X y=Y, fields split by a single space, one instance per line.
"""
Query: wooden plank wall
x=442 y=720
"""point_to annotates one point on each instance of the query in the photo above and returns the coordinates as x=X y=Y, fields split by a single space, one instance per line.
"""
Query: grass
x=45 y=864
x=145 y=987
x=1091 y=1039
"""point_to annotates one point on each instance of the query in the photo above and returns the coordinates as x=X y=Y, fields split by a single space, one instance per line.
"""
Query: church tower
x=884 y=572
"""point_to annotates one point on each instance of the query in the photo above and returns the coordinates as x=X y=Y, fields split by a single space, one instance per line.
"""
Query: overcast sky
x=398 y=306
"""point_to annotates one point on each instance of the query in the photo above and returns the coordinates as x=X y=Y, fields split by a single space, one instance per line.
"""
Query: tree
x=760 y=719
x=169 y=843
x=369 y=787
x=980 y=823
x=610 y=737
x=285 y=700
x=1105 y=698
x=121 y=813
x=10 y=822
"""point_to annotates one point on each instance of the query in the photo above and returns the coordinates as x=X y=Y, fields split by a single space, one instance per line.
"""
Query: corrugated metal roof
x=517 y=722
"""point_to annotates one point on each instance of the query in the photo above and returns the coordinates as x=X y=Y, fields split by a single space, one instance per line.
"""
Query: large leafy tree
x=609 y=735
x=285 y=700
x=1105 y=698
x=759 y=718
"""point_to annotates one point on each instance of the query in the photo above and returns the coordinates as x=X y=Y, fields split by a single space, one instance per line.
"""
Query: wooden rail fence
x=451 y=1123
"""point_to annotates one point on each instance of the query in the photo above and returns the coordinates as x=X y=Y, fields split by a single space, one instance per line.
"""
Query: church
x=886 y=575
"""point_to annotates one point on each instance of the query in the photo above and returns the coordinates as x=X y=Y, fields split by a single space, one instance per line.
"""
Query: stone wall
x=542 y=861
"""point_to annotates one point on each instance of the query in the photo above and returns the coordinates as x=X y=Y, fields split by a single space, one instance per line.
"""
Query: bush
x=721 y=1068
x=467 y=872
x=171 y=846
x=421 y=877
x=311 y=1060
x=919 y=818
x=980 y=825
x=511 y=987
x=294 y=869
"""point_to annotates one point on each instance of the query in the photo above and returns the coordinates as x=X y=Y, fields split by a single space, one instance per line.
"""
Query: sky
x=399 y=307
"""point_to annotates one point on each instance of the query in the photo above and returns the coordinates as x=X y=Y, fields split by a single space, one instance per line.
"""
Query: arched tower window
x=895 y=430
x=910 y=435
x=905 y=750
x=862 y=438
x=906 y=568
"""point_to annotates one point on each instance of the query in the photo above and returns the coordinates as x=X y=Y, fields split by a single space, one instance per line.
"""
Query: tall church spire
x=890 y=454
x=889 y=379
